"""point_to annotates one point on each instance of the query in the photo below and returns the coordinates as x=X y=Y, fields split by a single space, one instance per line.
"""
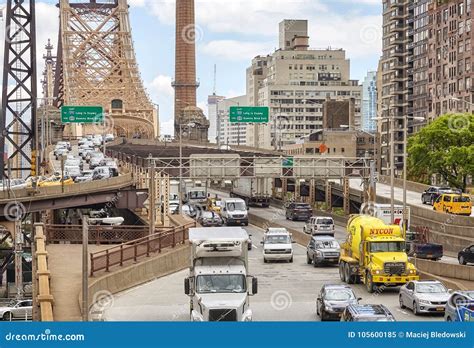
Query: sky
x=229 y=34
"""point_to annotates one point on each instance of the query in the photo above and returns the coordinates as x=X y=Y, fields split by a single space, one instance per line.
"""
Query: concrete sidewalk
x=65 y=265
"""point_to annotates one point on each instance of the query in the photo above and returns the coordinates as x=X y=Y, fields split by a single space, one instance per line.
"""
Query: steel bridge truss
x=18 y=114
x=97 y=65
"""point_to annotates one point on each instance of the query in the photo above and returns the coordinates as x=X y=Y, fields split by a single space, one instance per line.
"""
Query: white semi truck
x=219 y=284
x=254 y=191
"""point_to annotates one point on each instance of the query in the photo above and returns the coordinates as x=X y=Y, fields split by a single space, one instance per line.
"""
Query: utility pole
x=85 y=268
x=152 y=196
x=18 y=257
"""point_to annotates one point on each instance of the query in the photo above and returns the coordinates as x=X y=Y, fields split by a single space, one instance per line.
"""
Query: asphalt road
x=287 y=292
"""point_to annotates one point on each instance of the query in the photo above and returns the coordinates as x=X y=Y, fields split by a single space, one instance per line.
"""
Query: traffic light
x=34 y=163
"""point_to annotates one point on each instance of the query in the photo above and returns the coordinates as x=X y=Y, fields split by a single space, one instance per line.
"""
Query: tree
x=445 y=147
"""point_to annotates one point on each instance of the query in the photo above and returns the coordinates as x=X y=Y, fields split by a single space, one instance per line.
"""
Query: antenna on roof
x=215 y=78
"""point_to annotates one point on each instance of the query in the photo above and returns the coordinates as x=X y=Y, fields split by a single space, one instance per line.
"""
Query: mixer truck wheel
x=341 y=272
x=369 y=283
x=347 y=274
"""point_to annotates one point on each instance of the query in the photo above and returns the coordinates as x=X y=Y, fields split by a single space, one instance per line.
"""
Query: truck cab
x=219 y=285
x=196 y=196
x=234 y=211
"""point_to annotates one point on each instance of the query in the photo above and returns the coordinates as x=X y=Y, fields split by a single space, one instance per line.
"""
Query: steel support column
x=18 y=114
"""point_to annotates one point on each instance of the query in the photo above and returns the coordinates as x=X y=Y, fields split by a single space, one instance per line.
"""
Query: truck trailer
x=374 y=253
x=256 y=192
x=219 y=284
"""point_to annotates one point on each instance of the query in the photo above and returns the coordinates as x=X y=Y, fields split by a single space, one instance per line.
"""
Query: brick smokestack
x=185 y=83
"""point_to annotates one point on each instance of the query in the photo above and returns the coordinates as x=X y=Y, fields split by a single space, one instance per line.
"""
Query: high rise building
x=294 y=82
x=232 y=134
x=396 y=104
x=369 y=102
x=421 y=105
x=212 y=112
x=450 y=57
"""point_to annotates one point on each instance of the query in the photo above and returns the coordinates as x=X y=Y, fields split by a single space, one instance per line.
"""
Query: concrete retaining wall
x=411 y=185
x=157 y=266
x=446 y=269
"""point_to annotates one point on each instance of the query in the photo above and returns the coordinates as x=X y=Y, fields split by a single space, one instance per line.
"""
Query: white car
x=277 y=246
x=17 y=310
x=60 y=152
x=424 y=296
x=109 y=137
x=73 y=171
x=85 y=177
x=12 y=184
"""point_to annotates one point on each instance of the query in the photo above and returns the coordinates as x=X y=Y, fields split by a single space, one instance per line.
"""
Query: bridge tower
x=96 y=66
x=18 y=113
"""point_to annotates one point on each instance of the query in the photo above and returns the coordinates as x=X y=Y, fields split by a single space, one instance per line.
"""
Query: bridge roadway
x=384 y=190
x=287 y=292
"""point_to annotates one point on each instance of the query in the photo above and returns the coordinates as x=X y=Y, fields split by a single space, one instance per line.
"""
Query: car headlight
x=318 y=253
x=195 y=316
x=377 y=271
x=247 y=315
x=424 y=301
x=412 y=271
x=328 y=307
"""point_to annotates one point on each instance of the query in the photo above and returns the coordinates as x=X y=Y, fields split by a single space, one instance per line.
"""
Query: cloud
x=235 y=50
x=167 y=127
x=160 y=86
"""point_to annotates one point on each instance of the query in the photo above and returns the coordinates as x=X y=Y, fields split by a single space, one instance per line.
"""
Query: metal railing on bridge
x=133 y=250
x=97 y=234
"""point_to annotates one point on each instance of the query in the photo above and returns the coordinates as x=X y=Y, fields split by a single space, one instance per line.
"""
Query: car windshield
x=339 y=295
x=220 y=283
x=327 y=244
x=302 y=206
x=197 y=194
x=434 y=288
x=377 y=247
x=324 y=221
x=208 y=215
x=278 y=239
x=232 y=206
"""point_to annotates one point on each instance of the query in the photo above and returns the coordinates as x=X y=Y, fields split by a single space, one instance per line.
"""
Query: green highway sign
x=249 y=114
x=287 y=162
x=82 y=114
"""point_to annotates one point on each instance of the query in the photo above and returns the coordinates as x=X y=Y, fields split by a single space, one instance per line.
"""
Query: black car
x=367 y=313
x=429 y=196
x=332 y=301
x=298 y=211
x=466 y=255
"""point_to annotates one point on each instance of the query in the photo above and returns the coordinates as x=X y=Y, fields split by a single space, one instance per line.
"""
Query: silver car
x=424 y=296
x=17 y=310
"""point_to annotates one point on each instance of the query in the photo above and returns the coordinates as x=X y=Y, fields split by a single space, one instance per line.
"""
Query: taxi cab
x=56 y=181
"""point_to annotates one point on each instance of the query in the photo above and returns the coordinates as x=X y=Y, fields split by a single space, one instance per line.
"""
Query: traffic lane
x=277 y=215
x=287 y=292
x=413 y=198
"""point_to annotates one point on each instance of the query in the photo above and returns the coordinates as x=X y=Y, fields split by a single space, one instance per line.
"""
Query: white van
x=100 y=173
x=320 y=225
x=234 y=211
x=277 y=245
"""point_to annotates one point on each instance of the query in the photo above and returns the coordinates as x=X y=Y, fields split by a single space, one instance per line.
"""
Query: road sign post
x=82 y=114
x=249 y=114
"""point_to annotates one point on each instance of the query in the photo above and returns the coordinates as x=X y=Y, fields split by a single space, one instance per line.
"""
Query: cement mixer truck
x=374 y=254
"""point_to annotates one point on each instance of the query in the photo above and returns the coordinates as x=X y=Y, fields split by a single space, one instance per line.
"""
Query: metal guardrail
x=133 y=250
x=44 y=298
x=93 y=186
x=97 y=234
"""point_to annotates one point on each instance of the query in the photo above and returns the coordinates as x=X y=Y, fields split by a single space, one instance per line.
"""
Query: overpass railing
x=97 y=234
x=133 y=250
x=44 y=296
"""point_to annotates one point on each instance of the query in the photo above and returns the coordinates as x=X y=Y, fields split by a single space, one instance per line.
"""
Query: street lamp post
x=180 y=186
